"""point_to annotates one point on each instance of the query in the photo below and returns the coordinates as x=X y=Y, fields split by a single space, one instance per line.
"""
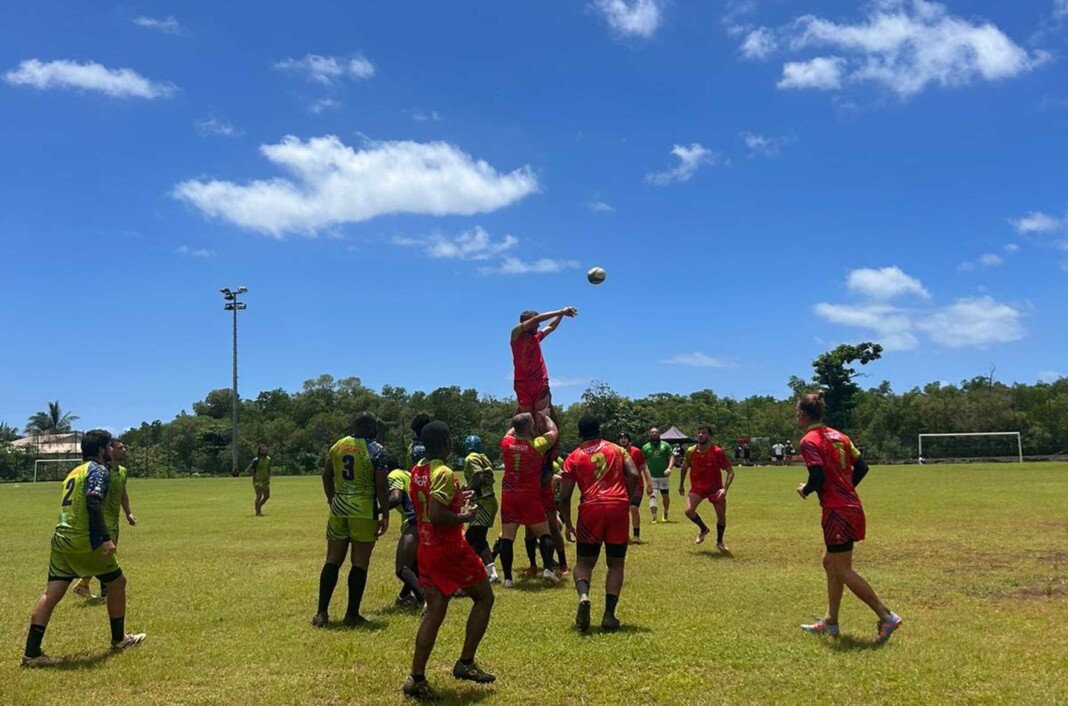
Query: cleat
x=41 y=660
x=355 y=621
x=564 y=572
x=654 y=520
x=887 y=627
x=551 y=577
x=609 y=623
x=416 y=689
x=701 y=537
x=472 y=672
x=404 y=601
x=529 y=572
x=83 y=591
x=821 y=627
x=320 y=620
x=582 y=615
x=130 y=640
x=508 y=583
x=491 y=573
x=722 y=547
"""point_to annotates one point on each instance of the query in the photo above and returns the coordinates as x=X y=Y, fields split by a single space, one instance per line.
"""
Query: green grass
x=975 y=558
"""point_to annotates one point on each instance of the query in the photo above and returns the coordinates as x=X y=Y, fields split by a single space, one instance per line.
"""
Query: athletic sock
x=118 y=629
x=696 y=519
x=467 y=662
x=582 y=587
x=610 y=602
x=561 y=558
x=719 y=533
x=33 y=640
x=637 y=532
x=496 y=549
x=418 y=678
x=547 y=550
x=507 y=549
x=532 y=547
x=327 y=584
x=357 y=583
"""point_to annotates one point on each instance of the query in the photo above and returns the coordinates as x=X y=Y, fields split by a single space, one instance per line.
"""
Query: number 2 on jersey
x=70 y=490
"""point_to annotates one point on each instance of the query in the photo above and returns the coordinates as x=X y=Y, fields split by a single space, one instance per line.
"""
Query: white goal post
x=37 y=463
x=1019 y=443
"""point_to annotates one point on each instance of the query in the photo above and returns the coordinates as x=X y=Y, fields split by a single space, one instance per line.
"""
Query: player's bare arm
x=630 y=473
x=551 y=432
x=328 y=480
x=730 y=478
x=126 y=508
x=567 y=489
x=682 y=474
x=382 y=493
x=442 y=516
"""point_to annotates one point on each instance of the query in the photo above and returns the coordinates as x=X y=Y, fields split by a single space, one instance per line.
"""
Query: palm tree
x=7 y=433
x=51 y=422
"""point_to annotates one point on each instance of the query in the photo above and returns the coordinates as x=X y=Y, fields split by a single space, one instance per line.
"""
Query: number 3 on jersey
x=348 y=467
x=601 y=463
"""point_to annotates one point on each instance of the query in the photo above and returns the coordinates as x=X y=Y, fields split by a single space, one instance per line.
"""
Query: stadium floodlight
x=232 y=304
x=1019 y=443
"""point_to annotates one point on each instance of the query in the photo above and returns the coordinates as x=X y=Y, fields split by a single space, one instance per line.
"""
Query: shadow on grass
x=537 y=585
x=848 y=643
x=84 y=661
x=624 y=629
x=441 y=694
x=713 y=553
x=94 y=602
x=368 y=626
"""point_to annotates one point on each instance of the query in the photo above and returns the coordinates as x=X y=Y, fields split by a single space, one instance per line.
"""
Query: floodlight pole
x=232 y=304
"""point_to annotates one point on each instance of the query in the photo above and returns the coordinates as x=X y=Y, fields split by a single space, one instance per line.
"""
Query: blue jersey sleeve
x=378 y=456
x=97 y=480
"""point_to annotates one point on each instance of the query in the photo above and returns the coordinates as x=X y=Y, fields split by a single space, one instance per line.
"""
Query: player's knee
x=115 y=580
x=829 y=564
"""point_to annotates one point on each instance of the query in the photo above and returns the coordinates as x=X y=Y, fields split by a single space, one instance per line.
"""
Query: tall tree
x=835 y=376
x=8 y=433
x=52 y=421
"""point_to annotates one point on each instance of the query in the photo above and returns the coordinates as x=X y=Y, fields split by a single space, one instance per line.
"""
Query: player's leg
x=653 y=488
x=842 y=564
x=693 y=500
x=665 y=498
x=477 y=621
x=436 y=607
x=615 y=557
x=586 y=554
x=559 y=546
x=53 y=593
x=721 y=523
x=361 y=560
x=530 y=543
x=475 y=536
x=266 y=496
x=336 y=549
x=508 y=533
x=546 y=546
x=636 y=519
x=407 y=548
x=116 y=585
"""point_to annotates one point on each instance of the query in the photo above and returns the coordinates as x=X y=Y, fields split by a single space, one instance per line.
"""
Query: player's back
x=597 y=467
x=72 y=530
x=475 y=463
x=354 y=470
x=523 y=462
x=833 y=451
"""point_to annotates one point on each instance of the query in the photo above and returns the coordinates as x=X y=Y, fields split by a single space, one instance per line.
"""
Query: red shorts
x=548 y=499
x=528 y=392
x=607 y=523
x=449 y=567
x=706 y=492
x=842 y=525
x=522 y=507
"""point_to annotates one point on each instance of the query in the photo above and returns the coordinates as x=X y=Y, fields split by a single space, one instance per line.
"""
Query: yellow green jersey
x=401 y=480
x=475 y=463
x=91 y=479
x=113 y=500
x=261 y=470
x=354 y=462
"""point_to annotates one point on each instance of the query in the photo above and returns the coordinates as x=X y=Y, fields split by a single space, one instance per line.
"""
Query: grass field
x=974 y=558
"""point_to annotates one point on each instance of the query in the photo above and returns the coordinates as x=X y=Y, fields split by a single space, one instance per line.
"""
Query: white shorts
x=660 y=484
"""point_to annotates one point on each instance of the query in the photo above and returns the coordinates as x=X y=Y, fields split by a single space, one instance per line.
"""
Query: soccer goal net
x=971 y=446
x=53 y=468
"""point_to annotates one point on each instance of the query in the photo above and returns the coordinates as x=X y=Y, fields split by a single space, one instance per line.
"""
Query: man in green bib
x=660 y=462
x=117 y=497
x=82 y=546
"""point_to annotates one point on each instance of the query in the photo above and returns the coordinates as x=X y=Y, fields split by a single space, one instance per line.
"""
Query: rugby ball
x=596 y=275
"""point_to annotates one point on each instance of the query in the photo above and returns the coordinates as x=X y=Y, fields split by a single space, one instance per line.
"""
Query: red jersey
x=638 y=457
x=597 y=468
x=526 y=356
x=835 y=453
x=706 y=468
x=433 y=480
x=523 y=461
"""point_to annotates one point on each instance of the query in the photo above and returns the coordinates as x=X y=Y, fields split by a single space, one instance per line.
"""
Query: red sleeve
x=810 y=453
x=639 y=458
x=566 y=471
x=722 y=458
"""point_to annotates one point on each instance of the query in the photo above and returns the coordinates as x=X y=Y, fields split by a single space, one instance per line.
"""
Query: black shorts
x=840 y=548
x=612 y=551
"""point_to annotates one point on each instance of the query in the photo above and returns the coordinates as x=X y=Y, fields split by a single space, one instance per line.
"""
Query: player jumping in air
x=707 y=461
x=835 y=468
x=447 y=563
x=531 y=377
x=260 y=470
x=608 y=481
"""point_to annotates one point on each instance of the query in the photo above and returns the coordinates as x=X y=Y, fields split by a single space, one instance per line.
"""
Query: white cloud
x=887 y=283
x=974 y=321
x=90 y=76
x=763 y=145
x=1060 y=9
x=601 y=207
x=1037 y=222
x=759 y=44
x=168 y=25
x=906 y=46
x=323 y=104
x=432 y=116
x=891 y=325
x=328 y=69
x=690 y=159
x=631 y=18
x=564 y=382
x=474 y=244
x=515 y=266
x=191 y=252
x=332 y=184
x=697 y=360
x=823 y=73
x=991 y=260
x=1049 y=376
x=1012 y=248
x=215 y=126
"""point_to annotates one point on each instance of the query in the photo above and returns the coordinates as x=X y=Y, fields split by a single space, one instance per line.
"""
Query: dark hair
x=392 y=461
x=589 y=427
x=365 y=426
x=705 y=427
x=811 y=405
x=418 y=422
x=623 y=434
x=93 y=442
x=261 y=446
x=527 y=316
x=436 y=438
x=522 y=422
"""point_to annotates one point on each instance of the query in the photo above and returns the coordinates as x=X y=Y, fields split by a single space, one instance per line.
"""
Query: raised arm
x=532 y=324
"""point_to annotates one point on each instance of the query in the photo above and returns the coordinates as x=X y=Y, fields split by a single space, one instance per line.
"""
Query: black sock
x=532 y=547
x=33 y=640
x=507 y=549
x=582 y=587
x=418 y=678
x=696 y=519
x=357 y=582
x=719 y=533
x=327 y=584
x=411 y=582
x=118 y=629
x=637 y=532
x=610 y=602
x=467 y=662
x=561 y=558
x=496 y=549
x=547 y=550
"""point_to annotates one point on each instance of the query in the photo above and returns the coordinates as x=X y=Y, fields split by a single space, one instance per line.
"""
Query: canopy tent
x=675 y=436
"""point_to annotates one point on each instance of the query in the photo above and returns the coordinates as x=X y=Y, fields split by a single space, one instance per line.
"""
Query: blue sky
x=394 y=182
